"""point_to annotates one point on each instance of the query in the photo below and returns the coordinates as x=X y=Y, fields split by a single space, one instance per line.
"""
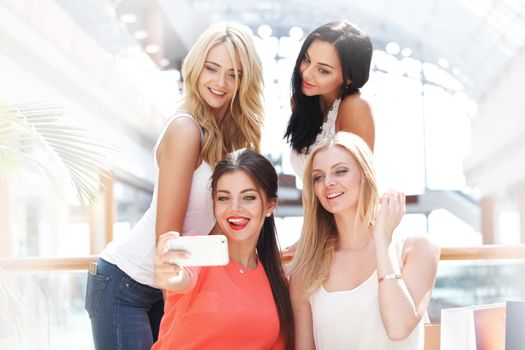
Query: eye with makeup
x=211 y=68
x=249 y=197
x=341 y=171
x=317 y=177
x=222 y=198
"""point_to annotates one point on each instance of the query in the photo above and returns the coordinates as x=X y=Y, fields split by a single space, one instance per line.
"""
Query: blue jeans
x=125 y=315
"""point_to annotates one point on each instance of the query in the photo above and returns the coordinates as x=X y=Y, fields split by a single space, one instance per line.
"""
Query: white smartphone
x=209 y=250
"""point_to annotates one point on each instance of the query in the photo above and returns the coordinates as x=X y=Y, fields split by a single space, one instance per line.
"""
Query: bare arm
x=355 y=116
x=177 y=157
x=302 y=316
x=403 y=302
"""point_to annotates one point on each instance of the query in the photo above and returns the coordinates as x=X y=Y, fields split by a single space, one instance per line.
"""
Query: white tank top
x=298 y=160
x=351 y=319
x=134 y=252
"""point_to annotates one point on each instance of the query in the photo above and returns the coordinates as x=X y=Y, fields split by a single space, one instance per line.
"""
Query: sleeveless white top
x=298 y=160
x=351 y=319
x=134 y=252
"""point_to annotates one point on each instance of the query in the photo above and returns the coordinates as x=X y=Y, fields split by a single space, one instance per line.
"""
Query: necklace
x=241 y=269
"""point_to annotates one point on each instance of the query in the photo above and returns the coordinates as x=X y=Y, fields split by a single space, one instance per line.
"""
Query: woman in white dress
x=355 y=285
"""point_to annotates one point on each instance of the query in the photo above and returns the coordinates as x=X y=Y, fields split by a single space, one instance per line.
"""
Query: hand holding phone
x=210 y=250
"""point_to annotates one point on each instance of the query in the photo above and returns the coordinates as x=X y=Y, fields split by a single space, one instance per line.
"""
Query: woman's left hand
x=392 y=209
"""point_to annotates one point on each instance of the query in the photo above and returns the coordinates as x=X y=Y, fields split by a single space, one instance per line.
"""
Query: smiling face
x=240 y=208
x=337 y=180
x=217 y=81
x=321 y=71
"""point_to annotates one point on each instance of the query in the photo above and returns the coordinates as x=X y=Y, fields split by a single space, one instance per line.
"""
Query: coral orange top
x=225 y=309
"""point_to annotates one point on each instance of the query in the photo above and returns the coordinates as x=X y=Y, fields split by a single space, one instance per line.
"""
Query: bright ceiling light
x=296 y=32
x=264 y=31
x=443 y=62
x=392 y=48
x=152 y=48
x=406 y=52
x=140 y=34
x=128 y=18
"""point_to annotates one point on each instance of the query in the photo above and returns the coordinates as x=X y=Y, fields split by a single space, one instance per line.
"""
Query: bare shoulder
x=420 y=247
x=355 y=116
x=355 y=109
x=182 y=133
x=184 y=128
x=355 y=102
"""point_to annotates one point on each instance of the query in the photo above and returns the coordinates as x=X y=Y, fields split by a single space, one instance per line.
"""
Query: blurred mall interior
x=444 y=88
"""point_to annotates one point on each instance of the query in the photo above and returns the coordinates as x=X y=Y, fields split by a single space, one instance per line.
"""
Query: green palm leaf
x=25 y=127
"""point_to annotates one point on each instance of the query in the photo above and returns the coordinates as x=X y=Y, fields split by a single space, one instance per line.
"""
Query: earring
x=268 y=214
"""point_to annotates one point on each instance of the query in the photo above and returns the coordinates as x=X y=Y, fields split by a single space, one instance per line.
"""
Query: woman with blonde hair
x=221 y=110
x=355 y=285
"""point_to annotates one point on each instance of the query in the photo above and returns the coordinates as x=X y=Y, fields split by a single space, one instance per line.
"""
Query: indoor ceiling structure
x=126 y=51
x=473 y=39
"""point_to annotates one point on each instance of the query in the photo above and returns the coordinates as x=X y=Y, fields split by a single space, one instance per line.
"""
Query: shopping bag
x=515 y=325
x=476 y=327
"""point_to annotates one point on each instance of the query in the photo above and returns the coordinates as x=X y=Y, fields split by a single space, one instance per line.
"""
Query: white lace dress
x=298 y=160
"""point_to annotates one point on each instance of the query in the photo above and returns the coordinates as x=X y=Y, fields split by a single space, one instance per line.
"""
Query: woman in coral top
x=245 y=304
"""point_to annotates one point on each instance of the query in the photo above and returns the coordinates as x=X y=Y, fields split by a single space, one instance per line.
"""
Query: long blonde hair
x=243 y=122
x=315 y=250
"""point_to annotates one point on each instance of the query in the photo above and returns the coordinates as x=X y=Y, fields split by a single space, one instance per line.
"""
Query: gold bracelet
x=391 y=276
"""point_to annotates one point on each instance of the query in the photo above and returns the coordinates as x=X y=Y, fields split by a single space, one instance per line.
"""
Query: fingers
x=176 y=256
x=391 y=211
x=163 y=239
x=167 y=271
x=393 y=200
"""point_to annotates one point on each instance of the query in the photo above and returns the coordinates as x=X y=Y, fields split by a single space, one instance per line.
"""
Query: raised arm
x=170 y=276
x=403 y=301
x=302 y=317
x=177 y=156
x=355 y=116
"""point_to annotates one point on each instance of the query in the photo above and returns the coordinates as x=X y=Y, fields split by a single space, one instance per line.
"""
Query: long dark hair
x=354 y=48
x=263 y=174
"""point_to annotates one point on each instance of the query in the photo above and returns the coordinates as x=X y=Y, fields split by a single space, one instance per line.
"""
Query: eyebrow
x=326 y=65
x=319 y=63
x=243 y=191
x=239 y=71
x=333 y=166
